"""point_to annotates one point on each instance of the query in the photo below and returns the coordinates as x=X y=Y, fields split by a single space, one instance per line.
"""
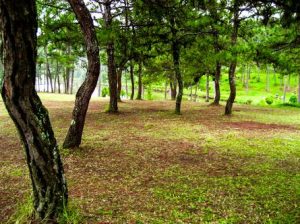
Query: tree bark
x=132 y=81
x=217 y=84
x=112 y=74
x=18 y=21
x=173 y=88
x=84 y=93
x=140 y=85
x=72 y=81
x=232 y=67
x=119 y=78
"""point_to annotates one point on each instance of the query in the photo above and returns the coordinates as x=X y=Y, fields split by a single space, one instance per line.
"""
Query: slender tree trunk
x=173 y=88
x=99 y=85
x=126 y=84
x=247 y=79
x=289 y=82
x=196 y=92
x=57 y=76
x=132 y=81
x=298 y=87
x=207 y=88
x=267 y=79
x=284 y=88
x=112 y=74
x=217 y=84
x=84 y=93
x=232 y=67
x=119 y=78
x=258 y=74
x=191 y=93
x=166 y=89
x=140 y=84
x=72 y=81
x=18 y=21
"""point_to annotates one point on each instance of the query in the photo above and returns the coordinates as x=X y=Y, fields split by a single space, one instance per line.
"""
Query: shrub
x=123 y=93
x=293 y=99
x=104 y=92
x=249 y=102
x=269 y=100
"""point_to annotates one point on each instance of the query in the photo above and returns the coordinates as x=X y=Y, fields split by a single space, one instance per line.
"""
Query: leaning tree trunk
x=140 y=85
x=217 y=84
x=232 y=67
x=18 y=21
x=84 y=93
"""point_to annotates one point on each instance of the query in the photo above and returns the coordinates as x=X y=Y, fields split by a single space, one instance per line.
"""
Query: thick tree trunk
x=231 y=73
x=132 y=81
x=207 y=88
x=140 y=85
x=18 y=21
x=217 y=84
x=84 y=93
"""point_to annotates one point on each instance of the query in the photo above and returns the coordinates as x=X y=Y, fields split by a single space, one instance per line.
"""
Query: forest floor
x=148 y=165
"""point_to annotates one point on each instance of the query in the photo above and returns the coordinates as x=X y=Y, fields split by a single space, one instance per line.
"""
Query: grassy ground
x=147 y=165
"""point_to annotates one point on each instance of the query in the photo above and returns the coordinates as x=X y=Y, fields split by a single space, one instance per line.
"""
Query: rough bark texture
x=217 y=84
x=73 y=138
x=140 y=85
x=132 y=81
x=233 y=64
x=18 y=21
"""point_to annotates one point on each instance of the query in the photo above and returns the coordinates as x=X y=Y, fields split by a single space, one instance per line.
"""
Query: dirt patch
x=252 y=125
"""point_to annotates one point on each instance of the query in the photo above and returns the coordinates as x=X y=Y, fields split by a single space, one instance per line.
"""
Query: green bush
x=269 y=100
x=293 y=99
x=249 y=102
x=123 y=93
x=104 y=92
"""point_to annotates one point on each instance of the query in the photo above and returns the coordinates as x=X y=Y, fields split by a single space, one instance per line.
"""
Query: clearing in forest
x=148 y=165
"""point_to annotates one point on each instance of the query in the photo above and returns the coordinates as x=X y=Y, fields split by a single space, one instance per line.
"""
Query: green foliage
x=293 y=99
x=149 y=95
x=123 y=93
x=105 y=92
x=269 y=100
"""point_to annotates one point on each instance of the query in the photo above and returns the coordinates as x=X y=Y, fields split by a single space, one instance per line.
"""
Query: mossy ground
x=148 y=165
